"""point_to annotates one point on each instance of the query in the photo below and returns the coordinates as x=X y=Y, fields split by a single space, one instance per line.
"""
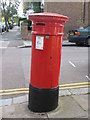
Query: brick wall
x=26 y=34
x=74 y=10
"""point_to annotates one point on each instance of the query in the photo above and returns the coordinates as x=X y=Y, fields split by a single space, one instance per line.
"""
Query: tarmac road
x=74 y=64
x=16 y=62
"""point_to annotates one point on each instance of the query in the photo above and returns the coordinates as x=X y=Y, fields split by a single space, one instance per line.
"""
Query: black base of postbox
x=43 y=100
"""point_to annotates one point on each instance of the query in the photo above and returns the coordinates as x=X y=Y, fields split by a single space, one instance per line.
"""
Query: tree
x=36 y=6
x=9 y=8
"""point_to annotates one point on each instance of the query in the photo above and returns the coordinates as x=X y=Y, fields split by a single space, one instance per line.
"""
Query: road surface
x=16 y=62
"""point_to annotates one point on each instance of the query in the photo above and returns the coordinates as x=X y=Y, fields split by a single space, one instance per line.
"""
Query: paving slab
x=28 y=43
x=82 y=100
x=89 y=105
x=66 y=42
x=69 y=108
x=12 y=35
x=20 y=99
x=79 y=91
x=21 y=111
x=64 y=92
x=0 y=113
x=5 y=102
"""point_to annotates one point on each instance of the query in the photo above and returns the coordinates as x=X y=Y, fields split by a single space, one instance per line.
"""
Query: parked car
x=14 y=24
x=80 y=36
x=2 y=26
x=10 y=25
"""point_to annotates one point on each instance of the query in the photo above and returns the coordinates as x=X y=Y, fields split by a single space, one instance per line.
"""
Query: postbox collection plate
x=39 y=42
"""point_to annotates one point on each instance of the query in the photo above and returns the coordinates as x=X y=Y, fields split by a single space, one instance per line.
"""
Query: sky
x=20 y=9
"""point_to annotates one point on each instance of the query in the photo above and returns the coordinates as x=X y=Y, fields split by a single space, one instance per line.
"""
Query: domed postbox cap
x=51 y=17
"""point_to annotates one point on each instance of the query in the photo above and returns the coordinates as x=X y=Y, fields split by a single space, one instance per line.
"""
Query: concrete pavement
x=16 y=62
x=73 y=106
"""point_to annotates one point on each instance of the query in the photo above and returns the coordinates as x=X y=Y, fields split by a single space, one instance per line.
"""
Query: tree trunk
x=6 y=20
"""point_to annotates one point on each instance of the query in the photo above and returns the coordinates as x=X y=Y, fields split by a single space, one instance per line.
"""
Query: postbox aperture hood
x=46 y=16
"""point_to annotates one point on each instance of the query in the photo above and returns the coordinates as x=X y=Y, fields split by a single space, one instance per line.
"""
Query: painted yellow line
x=84 y=86
x=63 y=86
x=13 y=93
x=11 y=90
x=26 y=91
x=74 y=84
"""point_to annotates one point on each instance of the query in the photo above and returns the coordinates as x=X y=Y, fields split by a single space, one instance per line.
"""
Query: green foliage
x=8 y=10
x=20 y=19
x=2 y=19
x=13 y=11
x=16 y=19
x=10 y=26
x=36 y=6
x=29 y=24
x=28 y=21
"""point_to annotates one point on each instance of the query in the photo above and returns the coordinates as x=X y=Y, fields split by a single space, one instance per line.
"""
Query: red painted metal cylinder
x=45 y=62
x=45 y=66
x=47 y=36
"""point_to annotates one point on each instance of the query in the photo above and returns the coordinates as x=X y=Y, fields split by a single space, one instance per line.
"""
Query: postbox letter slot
x=40 y=24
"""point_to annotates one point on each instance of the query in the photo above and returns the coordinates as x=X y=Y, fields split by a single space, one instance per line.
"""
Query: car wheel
x=88 y=42
x=77 y=44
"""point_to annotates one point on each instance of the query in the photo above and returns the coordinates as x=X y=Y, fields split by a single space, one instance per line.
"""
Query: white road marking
x=72 y=64
x=3 y=47
x=87 y=77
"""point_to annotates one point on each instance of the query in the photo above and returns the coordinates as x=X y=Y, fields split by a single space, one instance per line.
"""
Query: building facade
x=76 y=11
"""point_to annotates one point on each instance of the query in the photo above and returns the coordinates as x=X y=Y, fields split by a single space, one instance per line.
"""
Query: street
x=74 y=65
x=16 y=62
x=61 y=39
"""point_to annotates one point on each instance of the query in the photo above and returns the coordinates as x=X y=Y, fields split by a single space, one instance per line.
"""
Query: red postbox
x=47 y=36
